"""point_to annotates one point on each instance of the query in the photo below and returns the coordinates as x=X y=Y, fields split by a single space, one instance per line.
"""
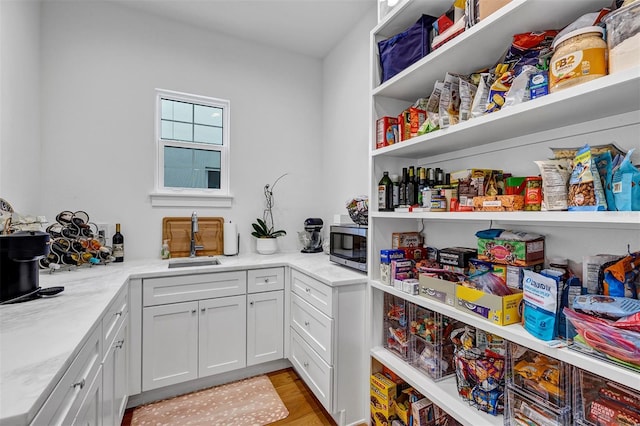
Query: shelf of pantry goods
x=517 y=334
x=608 y=219
x=443 y=393
x=607 y=96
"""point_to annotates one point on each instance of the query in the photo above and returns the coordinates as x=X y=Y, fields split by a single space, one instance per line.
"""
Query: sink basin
x=193 y=261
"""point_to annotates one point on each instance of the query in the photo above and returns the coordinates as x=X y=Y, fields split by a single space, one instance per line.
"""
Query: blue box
x=539 y=84
x=386 y=256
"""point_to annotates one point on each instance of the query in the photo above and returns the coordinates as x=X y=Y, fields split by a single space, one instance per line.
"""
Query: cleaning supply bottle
x=165 y=253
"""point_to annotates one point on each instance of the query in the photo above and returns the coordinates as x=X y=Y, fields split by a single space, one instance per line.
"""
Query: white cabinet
x=115 y=371
x=598 y=112
x=192 y=326
x=79 y=390
x=327 y=344
x=90 y=412
x=265 y=315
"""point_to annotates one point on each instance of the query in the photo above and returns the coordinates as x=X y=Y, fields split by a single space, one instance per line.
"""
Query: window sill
x=177 y=199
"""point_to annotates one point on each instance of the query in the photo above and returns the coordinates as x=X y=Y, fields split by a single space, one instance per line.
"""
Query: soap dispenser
x=165 y=252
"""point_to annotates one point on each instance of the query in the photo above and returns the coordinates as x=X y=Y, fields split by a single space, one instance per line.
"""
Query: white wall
x=20 y=105
x=346 y=119
x=100 y=65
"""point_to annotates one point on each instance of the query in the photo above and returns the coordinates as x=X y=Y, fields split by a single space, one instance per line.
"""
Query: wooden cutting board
x=178 y=231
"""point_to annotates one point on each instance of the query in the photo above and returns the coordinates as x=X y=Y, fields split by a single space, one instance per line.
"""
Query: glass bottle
x=396 y=190
x=411 y=187
x=385 y=193
x=117 y=241
x=403 y=187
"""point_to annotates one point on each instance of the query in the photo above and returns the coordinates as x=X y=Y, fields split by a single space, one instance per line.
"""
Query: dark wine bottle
x=411 y=188
x=403 y=188
x=385 y=193
x=117 y=241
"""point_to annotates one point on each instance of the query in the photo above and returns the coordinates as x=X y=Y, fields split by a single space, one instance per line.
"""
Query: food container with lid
x=579 y=56
x=623 y=37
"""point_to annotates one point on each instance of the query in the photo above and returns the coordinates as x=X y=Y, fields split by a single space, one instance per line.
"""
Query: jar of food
x=623 y=37
x=533 y=193
x=579 y=56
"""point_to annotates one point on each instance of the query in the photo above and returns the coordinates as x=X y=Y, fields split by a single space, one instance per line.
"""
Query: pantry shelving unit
x=597 y=112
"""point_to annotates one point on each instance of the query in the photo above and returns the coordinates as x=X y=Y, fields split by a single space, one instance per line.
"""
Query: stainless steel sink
x=185 y=262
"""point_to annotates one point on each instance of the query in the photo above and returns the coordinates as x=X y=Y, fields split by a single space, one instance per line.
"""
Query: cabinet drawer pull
x=306 y=323
x=305 y=364
x=118 y=313
x=203 y=310
x=79 y=384
x=251 y=303
x=308 y=290
x=193 y=311
x=119 y=344
x=266 y=280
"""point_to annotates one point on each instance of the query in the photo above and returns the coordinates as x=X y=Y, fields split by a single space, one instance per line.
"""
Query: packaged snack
x=604 y=163
x=585 y=188
x=619 y=278
x=625 y=185
x=450 y=101
x=433 y=106
x=570 y=153
x=519 y=93
x=555 y=177
x=499 y=88
x=467 y=93
x=480 y=100
x=606 y=306
x=540 y=295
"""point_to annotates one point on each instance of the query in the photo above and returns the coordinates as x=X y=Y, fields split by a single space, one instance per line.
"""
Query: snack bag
x=480 y=100
x=604 y=163
x=499 y=88
x=450 y=101
x=625 y=185
x=467 y=93
x=518 y=92
x=540 y=295
x=585 y=188
x=555 y=177
x=432 y=107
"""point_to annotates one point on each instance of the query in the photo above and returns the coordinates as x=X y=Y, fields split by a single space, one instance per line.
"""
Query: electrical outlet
x=103 y=232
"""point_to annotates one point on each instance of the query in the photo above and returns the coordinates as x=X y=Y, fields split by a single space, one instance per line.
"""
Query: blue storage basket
x=406 y=48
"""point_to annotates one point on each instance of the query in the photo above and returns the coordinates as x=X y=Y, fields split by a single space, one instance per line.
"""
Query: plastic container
x=623 y=37
x=579 y=56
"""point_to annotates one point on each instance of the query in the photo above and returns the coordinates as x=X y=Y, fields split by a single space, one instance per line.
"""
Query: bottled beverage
x=431 y=178
x=396 y=190
x=439 y=176
x=403 y=187
x=411 y=188
x=385 y=193
x=117 y=242
x=422 y=183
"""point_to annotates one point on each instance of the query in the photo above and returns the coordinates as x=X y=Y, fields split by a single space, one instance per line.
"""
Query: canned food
x=579 y=56
x=533 y=193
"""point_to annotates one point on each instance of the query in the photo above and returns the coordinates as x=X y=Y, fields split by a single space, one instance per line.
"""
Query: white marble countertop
x=40 y=338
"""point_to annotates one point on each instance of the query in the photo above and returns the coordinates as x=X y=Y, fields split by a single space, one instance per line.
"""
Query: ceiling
x=309 y=27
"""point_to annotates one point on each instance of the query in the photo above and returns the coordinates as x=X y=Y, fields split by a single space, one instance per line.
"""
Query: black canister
x=19 y=255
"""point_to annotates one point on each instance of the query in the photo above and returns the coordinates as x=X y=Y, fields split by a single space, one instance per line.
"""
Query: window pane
x=191 y=168
x=167 y=109
x=207 y=134
x=183 y=132
x=207 y=115
x=167 y=130
x=183 y=111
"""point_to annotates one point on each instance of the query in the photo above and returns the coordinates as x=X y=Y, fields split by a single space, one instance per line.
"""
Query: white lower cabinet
x=197 y=338
x=115 y=376
x=327 y=344
x=265 y=327
x=91 y=410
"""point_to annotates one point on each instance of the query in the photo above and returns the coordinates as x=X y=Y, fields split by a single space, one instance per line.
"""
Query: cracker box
x=437 y=289
x=404 y=125
x=509 y=252
x=500 y=310
x=416 y=118
x=456 y=256
x=386 y=131
x=476 y=182
x=382 y=391
x=422 y=412
x=498 y=203
x=405 y=239
x=386 y=256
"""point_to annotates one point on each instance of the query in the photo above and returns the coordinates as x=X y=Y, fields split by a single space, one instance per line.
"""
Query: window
x=192 y=138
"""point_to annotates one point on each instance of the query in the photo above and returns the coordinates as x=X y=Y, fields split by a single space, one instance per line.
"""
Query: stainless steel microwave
x=348 y=246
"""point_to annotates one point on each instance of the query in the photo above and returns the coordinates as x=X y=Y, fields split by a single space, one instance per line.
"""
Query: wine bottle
x=385 y=193
x=396 y=190
x=403 y=188
x=411 y=187
x=117 y=242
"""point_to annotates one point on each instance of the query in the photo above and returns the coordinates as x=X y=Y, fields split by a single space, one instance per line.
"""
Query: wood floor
x=304 y=408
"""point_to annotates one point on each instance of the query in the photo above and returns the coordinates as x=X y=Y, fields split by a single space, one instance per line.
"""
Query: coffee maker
x=312 y=237
x=19 y=269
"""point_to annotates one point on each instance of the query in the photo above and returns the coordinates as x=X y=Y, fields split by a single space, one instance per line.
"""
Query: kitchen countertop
x=40 y=338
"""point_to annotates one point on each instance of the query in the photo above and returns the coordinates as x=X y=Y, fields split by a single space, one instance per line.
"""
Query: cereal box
x=386 y=131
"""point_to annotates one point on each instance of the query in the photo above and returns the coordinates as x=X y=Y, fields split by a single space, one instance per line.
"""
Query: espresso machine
x=312 y=237
x=19 y=255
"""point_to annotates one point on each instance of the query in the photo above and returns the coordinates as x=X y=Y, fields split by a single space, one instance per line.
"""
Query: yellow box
x=437 y=289
x=501 y=310
x=383 y=391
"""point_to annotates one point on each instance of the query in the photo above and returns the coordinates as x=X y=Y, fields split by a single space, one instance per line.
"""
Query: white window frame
x=192 y=197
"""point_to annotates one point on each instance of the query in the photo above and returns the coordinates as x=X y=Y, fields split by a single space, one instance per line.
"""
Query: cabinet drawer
x=313 y=370
x=319 y=295
x=160 y=291
x=113 y=318
x=313 y=326
x=65 y=401
x=268 y=279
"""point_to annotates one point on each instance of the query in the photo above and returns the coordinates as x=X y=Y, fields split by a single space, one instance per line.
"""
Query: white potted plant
x=264 y=229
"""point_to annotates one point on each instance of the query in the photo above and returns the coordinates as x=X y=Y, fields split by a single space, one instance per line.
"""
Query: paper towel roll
x=230 y=232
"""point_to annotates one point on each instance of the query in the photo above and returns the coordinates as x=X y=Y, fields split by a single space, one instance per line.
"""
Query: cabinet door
x=169 y=344
x=222 y=335
x=90 y=412
x=265 y=327
x=115 y=377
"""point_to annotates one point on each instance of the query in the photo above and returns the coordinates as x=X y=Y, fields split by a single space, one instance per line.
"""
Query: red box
x=386 y=131
x=416 y=118
x=404 y=125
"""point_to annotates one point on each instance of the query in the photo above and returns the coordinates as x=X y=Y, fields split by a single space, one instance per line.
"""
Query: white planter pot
x=266 y=245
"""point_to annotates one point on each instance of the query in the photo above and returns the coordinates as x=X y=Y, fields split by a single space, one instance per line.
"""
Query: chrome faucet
x=194 y=230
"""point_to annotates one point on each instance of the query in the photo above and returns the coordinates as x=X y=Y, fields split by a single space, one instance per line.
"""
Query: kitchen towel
x=230 y=232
